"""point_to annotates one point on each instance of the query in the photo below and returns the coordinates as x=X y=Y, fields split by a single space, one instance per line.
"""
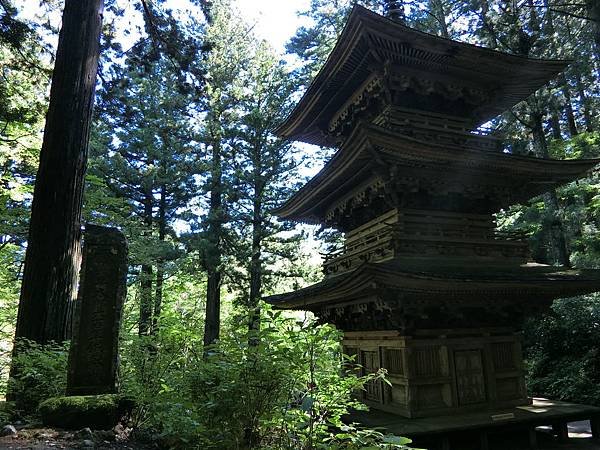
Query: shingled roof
x=369 y=39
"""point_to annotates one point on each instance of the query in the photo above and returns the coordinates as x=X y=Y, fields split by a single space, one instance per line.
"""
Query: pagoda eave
x=370 y=39
x=373 y=151
x=374 y=280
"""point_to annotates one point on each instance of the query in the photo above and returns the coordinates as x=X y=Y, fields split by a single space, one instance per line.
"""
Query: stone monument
x=93 y=358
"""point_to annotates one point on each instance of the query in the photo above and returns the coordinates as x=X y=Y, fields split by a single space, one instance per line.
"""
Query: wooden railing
x=394 y=233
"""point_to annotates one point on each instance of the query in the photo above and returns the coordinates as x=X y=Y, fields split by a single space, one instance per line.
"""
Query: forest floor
x=51 y=439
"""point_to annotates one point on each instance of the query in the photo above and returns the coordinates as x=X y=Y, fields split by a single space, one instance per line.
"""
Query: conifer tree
x=142 y=155
x=218 y=109
x=265 y=168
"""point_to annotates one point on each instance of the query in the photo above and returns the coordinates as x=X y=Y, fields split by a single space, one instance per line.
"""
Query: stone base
x=447 y=431
x=440 y=372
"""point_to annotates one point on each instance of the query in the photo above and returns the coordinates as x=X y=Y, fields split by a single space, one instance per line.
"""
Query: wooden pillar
x=562 y=431
x=445 y=443
x=483 y=437
x=533 y=445
x=595 y=425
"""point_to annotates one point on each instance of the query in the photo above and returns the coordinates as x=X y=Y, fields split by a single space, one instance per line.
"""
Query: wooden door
x=370 y=363
x=470 y=380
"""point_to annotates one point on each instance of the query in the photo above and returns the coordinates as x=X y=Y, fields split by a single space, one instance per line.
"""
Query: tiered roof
x=372 y=149
x=405 y=107
x=489 y=81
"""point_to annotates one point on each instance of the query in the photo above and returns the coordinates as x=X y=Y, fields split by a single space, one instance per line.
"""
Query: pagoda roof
x=451 y=282
x=371 y=148
x=370 y=40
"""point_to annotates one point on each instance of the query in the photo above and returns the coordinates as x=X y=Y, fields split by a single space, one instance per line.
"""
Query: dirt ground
x=49 y=439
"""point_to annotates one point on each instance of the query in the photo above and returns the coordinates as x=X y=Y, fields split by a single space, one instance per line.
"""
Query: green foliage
x=99 y=412
x=10 y=256
x=40 y=373
x=563 y=351
x=286 y=392
x=584 y=145
x=579 y=204
x=6 y=412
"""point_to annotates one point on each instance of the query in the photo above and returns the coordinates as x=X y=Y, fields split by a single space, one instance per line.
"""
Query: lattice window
x=393 y=361
x=370 y=363
x=503 y=356
x=427 y=362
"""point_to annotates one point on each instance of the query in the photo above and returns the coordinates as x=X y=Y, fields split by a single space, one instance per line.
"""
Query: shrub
x=40 y=373
x=562 y=351
x=6 y=412
x=282 y=387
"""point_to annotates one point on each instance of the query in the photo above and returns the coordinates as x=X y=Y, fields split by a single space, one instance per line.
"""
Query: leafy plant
x=40 y=372
x=561 y=350
x=281 y=387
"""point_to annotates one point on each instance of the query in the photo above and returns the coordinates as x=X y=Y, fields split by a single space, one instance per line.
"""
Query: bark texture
x=53 y=247
x=146 y=273
x=213 y=252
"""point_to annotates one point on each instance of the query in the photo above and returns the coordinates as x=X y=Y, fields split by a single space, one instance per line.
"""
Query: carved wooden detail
x=470 y=382
x=426 y=234
x=427 y=362
x=393 y=361
x=383 y=97
x=436 y=373
x=503 y=356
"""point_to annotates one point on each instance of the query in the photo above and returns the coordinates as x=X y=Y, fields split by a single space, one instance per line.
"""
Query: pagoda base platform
x=506 y=429
x=440 y=372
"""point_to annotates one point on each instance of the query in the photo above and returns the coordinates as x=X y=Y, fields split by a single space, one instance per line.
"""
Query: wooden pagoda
x=424 y=285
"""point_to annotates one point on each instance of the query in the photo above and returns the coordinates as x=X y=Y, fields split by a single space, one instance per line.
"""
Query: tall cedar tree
x=225 y=64
x=52 y=256
x=142 y=156
x=265 y=167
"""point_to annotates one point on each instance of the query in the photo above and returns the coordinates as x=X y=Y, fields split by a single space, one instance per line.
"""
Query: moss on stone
x=99 y=412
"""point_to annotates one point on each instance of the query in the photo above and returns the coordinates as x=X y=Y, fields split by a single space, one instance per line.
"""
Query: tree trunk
x=487 y=25
x=145 y=322
x=439 y=13
x=160 y=271
x=555 y=123
x=557 y=231
x=585 y=103
x=394 y=9
x=576 y=70
x=593 y=12
x=568 y=105
x=562 y=81
x=53 y=245
x=213 y=252
x=256 y=260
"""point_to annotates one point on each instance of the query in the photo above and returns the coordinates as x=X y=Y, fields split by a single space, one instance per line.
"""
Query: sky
x=274 y=20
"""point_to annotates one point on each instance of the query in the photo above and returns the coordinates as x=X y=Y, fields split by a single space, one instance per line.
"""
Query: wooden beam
x=561 y=430
x=595 y=426
x=533 y=444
